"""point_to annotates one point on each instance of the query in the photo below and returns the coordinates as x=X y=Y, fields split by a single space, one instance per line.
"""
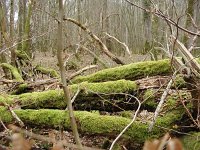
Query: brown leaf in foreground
x=20 y=143
x=171 y=144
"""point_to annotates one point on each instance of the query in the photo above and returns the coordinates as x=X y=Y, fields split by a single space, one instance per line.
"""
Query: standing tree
x=63 y=77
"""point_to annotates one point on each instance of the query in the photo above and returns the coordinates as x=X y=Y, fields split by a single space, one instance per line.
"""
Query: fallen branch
x=124 y=44
x=81 y=71
x=129 y=72
x=94 y=37
x=162 y=100
x=126 y=128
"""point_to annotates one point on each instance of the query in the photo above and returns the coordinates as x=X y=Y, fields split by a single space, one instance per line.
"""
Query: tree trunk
x=63 y=78
x=13 y=55
x=26 y=43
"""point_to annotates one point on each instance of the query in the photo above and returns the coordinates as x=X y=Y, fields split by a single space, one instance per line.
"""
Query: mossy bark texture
x=129 y=72
x=93 y=123
x=16 y=75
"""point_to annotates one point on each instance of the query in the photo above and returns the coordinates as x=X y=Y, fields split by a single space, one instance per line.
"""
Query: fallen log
x=129 y=72
x=55 y=98
x=93 y=123
x=132 y=72
x=109 y=96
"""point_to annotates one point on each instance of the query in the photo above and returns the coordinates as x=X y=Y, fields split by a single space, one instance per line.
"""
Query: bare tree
x=63 y=78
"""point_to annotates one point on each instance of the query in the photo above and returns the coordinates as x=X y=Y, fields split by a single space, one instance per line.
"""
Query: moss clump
x=53 y=73
x=22 y=88
x=179 y=82
x=129 y=72
x=149 y=97
x=192 y=141
x=91 y=123
x=13 y=71
x=126 y=114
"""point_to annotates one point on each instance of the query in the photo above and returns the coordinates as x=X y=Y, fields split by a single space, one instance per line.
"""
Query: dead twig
x=81 y=71
x=159 y=14
x=95 y=38
x=46 y=139
x=122 y=43
x=13 y=114
x=135 y=115
x=162 y=100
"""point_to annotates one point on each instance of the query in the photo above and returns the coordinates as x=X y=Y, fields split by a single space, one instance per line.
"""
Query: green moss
x=47 y=71
x=22 y=88
x=90 y=123
x=149 y=96
x=55 y=98
x=119 y=86
x=22 y=55
x=5 y=115
x=46 y=99
x=72 y=65
x=14 y=71
x=192 y=141
x=179 y=82
x=129 y=72
x=126 y=114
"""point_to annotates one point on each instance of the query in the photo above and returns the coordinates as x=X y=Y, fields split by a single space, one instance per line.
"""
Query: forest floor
x=49 y=60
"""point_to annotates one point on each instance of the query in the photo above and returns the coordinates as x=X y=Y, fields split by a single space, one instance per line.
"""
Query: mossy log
x=132 y=72
x=16 y=75
x=191 y=141
x=129 y=72
x=53 y=73
x=55 y=98
x=93 y=123
x=106 y=96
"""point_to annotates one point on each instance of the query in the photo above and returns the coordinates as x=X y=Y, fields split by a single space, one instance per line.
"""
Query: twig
x=81 y=71
x=163 y=97
x=193 y=42
x=159 y=14
x=122 y=43
x=136 y=113
x=46 y=139
x=3 y=125
x=75 y=96
x=102 y=46
x=15 y=116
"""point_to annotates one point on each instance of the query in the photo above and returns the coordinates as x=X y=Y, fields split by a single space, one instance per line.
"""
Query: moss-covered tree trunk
x=26 y=43
x=13 y=55
x=188 y=25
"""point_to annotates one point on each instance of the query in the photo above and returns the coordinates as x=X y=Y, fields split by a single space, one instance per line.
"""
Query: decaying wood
x=187 y=56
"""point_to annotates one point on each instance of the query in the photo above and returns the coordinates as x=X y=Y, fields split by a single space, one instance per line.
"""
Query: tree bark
x=63 y=78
